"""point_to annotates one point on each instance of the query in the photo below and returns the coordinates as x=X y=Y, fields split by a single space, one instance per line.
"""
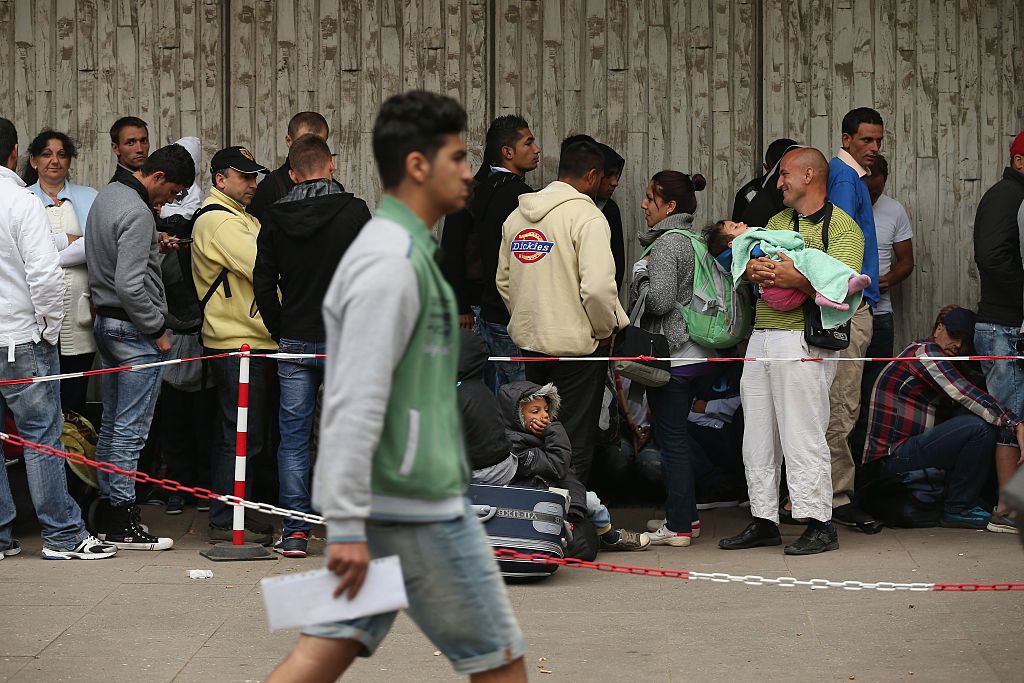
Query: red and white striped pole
x=241 y=442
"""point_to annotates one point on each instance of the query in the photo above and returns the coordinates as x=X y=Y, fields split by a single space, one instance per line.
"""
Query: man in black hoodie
x=471 y=239
x=301 y=241
x=997 y=332
x=760 y=199
x=613 y=165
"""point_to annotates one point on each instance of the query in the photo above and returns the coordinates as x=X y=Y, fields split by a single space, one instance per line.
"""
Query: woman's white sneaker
x=655 y=524
x=664 y=536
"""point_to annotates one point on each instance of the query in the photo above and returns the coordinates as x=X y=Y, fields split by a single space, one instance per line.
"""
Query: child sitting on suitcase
x=517 y=456
x=543 y=453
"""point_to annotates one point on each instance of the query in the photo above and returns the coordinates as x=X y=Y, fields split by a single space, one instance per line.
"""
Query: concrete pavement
x=138 y=617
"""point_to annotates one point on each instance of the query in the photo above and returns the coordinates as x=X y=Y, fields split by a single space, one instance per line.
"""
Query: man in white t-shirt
x=895 y=263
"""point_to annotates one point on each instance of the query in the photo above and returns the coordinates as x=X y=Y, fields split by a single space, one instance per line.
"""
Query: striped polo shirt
x=845 y=243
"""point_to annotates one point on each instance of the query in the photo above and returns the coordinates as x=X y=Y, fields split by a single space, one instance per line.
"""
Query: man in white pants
x=785 y=403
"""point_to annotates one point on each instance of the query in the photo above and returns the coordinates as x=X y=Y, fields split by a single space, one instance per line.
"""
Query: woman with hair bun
x=666 y=273
x=67 y=207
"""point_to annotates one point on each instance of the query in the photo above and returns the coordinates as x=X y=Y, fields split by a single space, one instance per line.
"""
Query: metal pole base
x=229 y=552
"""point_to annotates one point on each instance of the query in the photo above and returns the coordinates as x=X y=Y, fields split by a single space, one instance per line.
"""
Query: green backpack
x=718 y=315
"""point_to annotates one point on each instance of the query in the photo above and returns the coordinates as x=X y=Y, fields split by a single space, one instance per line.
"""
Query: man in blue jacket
x=863 y=131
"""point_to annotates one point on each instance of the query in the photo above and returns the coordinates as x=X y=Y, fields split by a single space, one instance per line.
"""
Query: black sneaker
x=126 y=533
x=717 y=497
x=852 y=515
x=106 y=518
x=292 y=545
x=760 y=532
x=137 y=518
x=818 y=538
x=786 y=517
x=175 y=504
x=155 y=497
x=202 y=504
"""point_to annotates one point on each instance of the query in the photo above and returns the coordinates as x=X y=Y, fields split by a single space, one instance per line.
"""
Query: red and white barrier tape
x=754 y=580
x=515 y=359
x=743 y=359
x=507 y=554
x=107 y=371
x=166 y=484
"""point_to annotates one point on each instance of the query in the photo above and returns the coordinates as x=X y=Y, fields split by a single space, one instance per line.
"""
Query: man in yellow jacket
x=223 y=257
x=556 y=274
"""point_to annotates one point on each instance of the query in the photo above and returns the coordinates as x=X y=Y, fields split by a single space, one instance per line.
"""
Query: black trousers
x=73 y=391
x=187 y=423
x=580 y=385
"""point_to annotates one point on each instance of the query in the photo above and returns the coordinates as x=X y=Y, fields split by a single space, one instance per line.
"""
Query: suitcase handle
x=485 y=512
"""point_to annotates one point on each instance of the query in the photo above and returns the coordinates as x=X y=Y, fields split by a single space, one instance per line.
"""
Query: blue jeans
x=129 y=399
x=598 y=513
x=963 y=446
x=456 y=595
x=36 y=412
x=300 y=380
x=1005 y=378
x=498 y=343
x=670 y=405
x=648 y=463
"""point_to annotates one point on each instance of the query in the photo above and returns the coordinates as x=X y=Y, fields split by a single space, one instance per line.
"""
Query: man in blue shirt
x=863 y=131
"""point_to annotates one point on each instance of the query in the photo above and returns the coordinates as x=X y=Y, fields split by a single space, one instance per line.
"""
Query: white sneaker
x=89 y=549
x=655 y=524
x=12 y=550
x=663 y=536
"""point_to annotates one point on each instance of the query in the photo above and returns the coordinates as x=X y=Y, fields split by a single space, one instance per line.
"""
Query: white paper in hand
x=307 y=599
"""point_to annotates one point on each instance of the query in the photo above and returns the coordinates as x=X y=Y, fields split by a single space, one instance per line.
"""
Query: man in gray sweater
x=125 y=283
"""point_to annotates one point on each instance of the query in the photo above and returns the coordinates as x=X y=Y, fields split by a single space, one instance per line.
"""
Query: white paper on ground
x=307 y=599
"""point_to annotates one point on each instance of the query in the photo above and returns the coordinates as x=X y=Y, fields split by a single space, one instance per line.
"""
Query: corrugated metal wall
x=696 y=85
x=77 y=65
x=947 y=77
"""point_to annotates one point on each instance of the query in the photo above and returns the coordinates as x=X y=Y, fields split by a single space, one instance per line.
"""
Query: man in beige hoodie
x=556 y=274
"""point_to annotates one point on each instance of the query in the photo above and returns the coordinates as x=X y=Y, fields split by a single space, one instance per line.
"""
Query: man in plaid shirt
x=902 y=433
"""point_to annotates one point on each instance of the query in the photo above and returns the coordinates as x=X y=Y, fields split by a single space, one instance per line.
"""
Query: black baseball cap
x=960 y=323
x=238 y=158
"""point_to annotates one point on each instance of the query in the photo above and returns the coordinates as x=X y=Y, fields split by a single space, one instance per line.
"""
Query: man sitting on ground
x=902 y=433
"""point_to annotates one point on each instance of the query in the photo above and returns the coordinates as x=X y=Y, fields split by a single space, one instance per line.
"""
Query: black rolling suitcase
x=526 y=520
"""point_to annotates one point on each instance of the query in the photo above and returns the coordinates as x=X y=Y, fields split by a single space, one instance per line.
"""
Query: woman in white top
x=67 y=206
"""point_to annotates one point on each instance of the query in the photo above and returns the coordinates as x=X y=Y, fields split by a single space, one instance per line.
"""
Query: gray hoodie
x=123 y=255
x=669 y=278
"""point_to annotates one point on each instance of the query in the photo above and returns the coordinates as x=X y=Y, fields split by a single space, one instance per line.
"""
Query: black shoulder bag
x=832 y=339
